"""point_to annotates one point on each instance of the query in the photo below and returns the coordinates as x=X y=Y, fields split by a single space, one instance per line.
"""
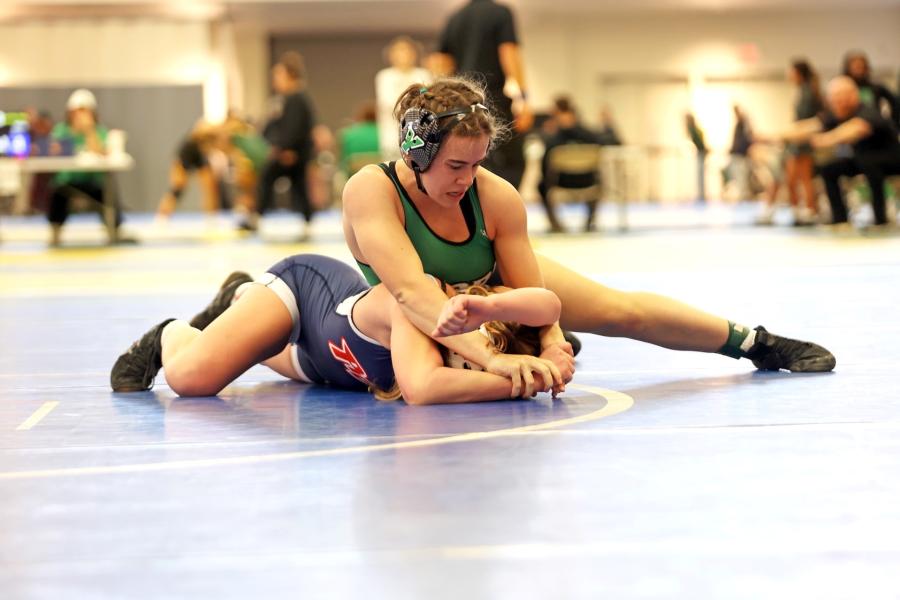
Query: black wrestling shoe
x=135 y=370
x=772 y=352
x=573 y=339
x=222 y=300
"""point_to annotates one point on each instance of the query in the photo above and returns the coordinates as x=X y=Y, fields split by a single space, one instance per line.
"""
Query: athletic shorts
x=320 y=293
x=191 y=156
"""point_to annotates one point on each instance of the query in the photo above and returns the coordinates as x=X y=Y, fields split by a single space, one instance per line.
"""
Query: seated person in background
x=359 y=141
x=195 y=155
x=564 y=128
x=40 y=127
x=607 y=134
x=83 y=134
x=876 y=150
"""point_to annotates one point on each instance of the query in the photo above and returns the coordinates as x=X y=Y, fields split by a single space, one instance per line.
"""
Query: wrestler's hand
x=520 y=369
x=561 y=356
x=461 y=314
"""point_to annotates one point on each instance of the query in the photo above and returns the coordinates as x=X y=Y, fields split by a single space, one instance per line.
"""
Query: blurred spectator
x=80 y=133
x=607 y=134
x=403 y=56
x=699 y=141
x=193 y=156
x=738 y=169
x=799 y=166
x=856 y=66
x=797 y=158
x=562 y=128
x=876 y=150
x=289 y=130
x=767 y=162
x=480 y=39
x=359 y=141
x=40 y=127
x=248 y=152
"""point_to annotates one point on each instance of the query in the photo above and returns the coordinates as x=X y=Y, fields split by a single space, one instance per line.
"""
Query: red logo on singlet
x=351 y=364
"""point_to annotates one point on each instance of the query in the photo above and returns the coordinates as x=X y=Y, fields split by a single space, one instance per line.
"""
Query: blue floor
x=659 y=475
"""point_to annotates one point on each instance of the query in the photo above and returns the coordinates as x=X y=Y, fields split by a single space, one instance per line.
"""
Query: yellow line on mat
x=39 y=414
x=616 y=402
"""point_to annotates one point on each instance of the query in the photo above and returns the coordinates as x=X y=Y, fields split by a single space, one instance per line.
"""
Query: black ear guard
x=422 y=131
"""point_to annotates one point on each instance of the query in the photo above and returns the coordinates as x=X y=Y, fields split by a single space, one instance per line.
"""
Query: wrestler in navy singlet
x=320 y=293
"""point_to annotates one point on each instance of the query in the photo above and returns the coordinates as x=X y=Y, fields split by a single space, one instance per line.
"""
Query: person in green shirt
x=80 y=132
x=359 y=141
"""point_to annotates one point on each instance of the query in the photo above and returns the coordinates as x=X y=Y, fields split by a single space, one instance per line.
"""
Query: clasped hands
x=529 y=374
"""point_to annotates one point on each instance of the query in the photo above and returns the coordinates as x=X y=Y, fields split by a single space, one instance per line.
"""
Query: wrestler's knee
x=190 y=377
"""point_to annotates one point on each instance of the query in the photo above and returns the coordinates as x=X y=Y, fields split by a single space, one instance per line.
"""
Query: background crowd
x=844 y=140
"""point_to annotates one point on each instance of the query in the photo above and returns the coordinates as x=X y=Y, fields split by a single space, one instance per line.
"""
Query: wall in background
x=581 y=55
x=112 y=50
x=252 y=47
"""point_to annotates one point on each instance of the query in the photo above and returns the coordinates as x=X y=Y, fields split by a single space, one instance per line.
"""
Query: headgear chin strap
x=421 y=134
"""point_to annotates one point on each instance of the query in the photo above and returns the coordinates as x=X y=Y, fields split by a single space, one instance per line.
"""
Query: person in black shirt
x=289 y=130
x=564 y=128
x=876 y=149
x=480 y=39
x=856 y=66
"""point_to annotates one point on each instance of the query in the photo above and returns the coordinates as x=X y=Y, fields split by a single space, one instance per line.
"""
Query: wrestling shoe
x=772 y=352
x=135 y=370
x=573 y=339
x=222 y=300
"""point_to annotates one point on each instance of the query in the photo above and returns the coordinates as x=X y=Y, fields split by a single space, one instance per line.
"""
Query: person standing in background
x=738 y=169
x=797 y=157
x=856 y=66
x=289 y=130
x=799 y=164
x=697 y=138
x=403 y=55
x=480 y=39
